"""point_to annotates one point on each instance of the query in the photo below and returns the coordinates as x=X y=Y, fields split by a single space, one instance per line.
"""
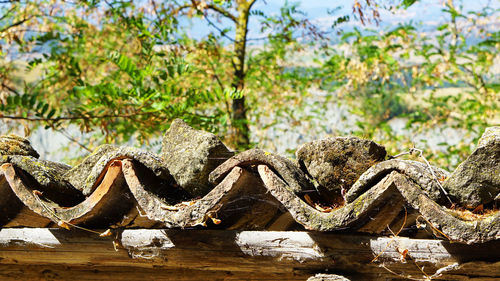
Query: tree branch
x=55 y=119
x=8 y=12
x=220 y=10
x=69 y=137
x=180 y=8
x=482 y=83
x=250 y=4
x=221 y=85
x=223 y=12
x=218 y=29
x=10 y=88
x=16 y=24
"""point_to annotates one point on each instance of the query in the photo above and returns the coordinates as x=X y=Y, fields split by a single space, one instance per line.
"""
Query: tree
x=240 y=21
x=237 y=14
x=126 y=68
x=286 y=26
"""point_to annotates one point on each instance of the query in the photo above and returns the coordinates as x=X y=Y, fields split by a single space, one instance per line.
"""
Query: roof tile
x=128 y=187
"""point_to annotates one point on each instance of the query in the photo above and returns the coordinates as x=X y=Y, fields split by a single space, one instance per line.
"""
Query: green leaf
x=442 y=27
x=44 y=108
x=51 y=113
x=408 y=3
x=16 y=100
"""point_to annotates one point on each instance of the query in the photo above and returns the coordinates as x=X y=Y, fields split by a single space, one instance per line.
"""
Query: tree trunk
x=241 y=133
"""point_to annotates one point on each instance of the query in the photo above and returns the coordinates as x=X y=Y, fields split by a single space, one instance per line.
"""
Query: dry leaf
x=216 y=220
x=308 y=200
x=317 y=206
x=323 y=209
x=37 y=192
x=403 y=253
x=478 y=209
x=64 y=224
x=116 y=245
x=106 y=233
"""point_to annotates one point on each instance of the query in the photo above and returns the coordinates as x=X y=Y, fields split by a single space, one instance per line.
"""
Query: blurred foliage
x=122 y=70
x=443 y=78
x=100 y=71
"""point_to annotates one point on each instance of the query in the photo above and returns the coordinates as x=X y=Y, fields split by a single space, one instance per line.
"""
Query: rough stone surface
x=489 y=135
x=85 y=175
x=389 y=194
x=16 y=145
x=368 y=207
x=48 y=175
x=287 y=169
x=416 y=171
x=476 y=181
x=336 y=163
x=44 y=172
x=190 y=155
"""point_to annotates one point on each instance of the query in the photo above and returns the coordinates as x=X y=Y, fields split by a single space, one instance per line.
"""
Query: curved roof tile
x=128 y=187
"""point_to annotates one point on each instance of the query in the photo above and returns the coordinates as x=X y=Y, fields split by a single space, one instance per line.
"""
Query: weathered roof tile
x=129 y=187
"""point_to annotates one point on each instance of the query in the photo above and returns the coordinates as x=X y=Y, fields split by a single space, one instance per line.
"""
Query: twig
x=432 y=173
x=12 y=90
x=37 y=119
x=394 y=236
x=8 y=12
x=220 y=30
x=221 y=85
x=399 y=155
x=434 y=228
x=427 y=277
x=141 y=214
x=440 y=271
x=35 y=193
x=420 y=154
x=223 y=12
x=402 y=276
x=16 y=24
x=69 y=137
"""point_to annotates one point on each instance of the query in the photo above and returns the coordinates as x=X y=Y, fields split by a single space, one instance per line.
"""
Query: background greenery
x=120 y=71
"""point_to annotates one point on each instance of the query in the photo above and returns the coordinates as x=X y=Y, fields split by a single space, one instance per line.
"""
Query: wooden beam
x=279 y=255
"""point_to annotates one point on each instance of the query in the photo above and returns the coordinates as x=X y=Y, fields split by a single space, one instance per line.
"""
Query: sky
x=427 y=12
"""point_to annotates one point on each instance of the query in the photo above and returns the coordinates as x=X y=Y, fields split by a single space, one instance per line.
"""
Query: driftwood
x=214 y=254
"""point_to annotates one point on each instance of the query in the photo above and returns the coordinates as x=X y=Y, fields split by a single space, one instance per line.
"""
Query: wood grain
x=236 y=254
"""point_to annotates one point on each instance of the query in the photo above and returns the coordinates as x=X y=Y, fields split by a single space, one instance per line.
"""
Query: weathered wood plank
x=59 y=272
x=279 y=255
